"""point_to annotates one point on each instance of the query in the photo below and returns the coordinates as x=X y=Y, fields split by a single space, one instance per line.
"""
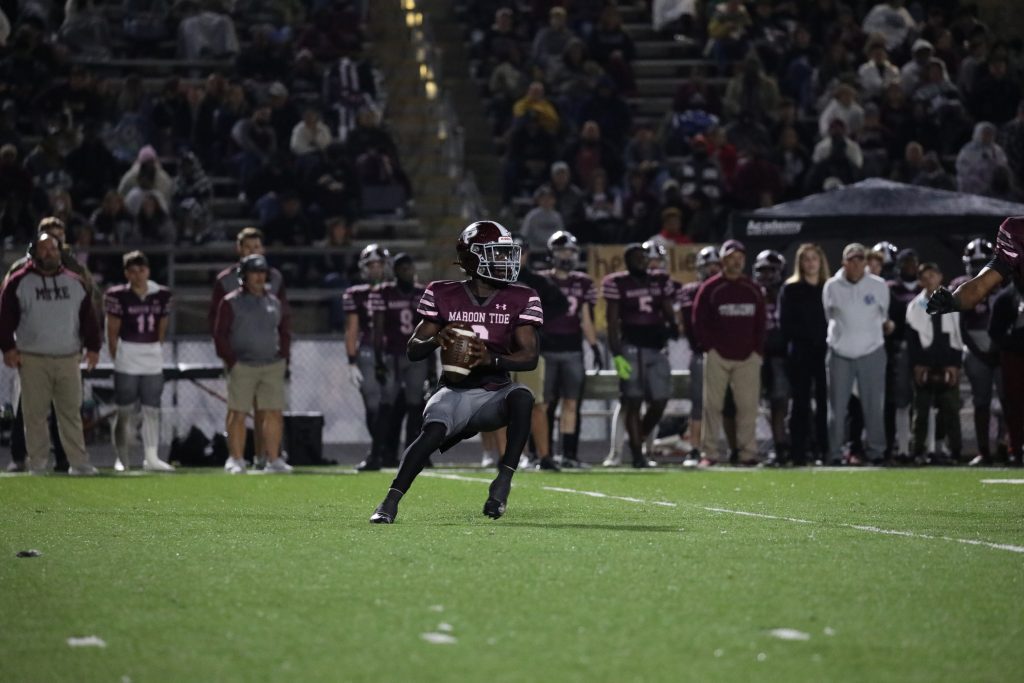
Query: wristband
x=352 y=360
x=495 y=362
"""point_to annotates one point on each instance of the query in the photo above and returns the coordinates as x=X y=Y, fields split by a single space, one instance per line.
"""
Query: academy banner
x=603 y=259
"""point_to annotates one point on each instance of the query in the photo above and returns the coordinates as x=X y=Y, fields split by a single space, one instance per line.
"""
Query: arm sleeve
x=533 y=314
x=10 y=313
x=222 y=332
x=88 y=324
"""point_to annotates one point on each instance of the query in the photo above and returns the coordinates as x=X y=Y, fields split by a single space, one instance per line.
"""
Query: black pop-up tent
x=935 y=222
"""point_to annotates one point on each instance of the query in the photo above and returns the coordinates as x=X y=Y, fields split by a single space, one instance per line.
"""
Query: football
x=455 y=359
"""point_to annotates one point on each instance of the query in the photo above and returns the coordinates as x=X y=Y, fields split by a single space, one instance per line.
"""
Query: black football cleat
x=497 y=496
x=548 y=464
x=385 y=513
x=369 y=465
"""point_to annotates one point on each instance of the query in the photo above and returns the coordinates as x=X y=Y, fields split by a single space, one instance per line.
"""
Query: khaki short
x=256 y=385
x=532 y=380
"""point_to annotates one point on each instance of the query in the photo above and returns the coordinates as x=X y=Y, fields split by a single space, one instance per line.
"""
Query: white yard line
x=1002 y=481
x=745 y=513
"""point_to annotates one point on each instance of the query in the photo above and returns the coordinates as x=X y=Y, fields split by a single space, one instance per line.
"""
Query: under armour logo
x=501 y=307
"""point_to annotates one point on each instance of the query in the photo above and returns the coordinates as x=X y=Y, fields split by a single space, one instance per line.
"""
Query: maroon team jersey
x=640 y=306
x=494 y=320
x=565 y=332
x=356 y=299
x=400 y=316
x=1009 y=257
x=140 y=318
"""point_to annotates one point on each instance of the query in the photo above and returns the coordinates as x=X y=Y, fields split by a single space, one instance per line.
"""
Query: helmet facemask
x=497 y=261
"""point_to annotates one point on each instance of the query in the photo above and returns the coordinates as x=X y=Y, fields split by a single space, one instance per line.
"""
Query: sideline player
x=374 y=263
x=640 y=323
x=137 y=317
x=505 y=317
x=563 y=341
x=768 y=267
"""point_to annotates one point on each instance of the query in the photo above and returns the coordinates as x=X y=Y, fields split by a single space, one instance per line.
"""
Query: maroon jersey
x=356 y=299
x=1009 y=257
x=400 y=316
x=494 y=320
x=641 y=302
x=686 y=295
x=564 y=332
x=140 y=318
x=774 y=343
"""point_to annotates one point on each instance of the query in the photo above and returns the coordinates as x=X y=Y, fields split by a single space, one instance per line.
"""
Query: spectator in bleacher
x=723 y=153
x=92 y=167
x=531 y=150
x=837 y=65
x=1011 y=139
x=936 y=352
x=261 y=60
x=844 y=107
x=333 y=183
x=111 y=222
x=572 y=78
x=9 y=134
x=256 y=140
x=699 y=175
x=602 y=210
x=613 y=49
x=835 y=156
x=28 y=62
x=728 y=29
x=849 y=32
x=941 y=101
x=153 y=222
x=293 y=226
x=77 y=97
x=672 y=231
x=349 y=88
x=284 y=114
x=171 y=117
x=644 y=153
x=551 y=40
x=1005 y=187
x=507 y=84
x=875 y=141
x=746 y=132
x=689 y=116
x=542 y=220
x=978 y=159
x=568 y=197
x=62 y=208
x=932 y=174
x=769 y=33
x=878 y=73
x=333 y=32
x=695 y=92
x=607 y=108
x=751 y=91
x=995 y=94
x=535 y=101
x=206 y=33
x=48 y=166
x=804 y=327
x=896 y=116
x=639 y=207
x=501 y=35
x=193 y=191
x=305 y=76
x=972 y=64
x=913 y=72
x=758 y=181
x=911 y=165
x=310 y=136
x=590 y=152
x=793 y=161
x=16 y=187
x=149 y=175
x=375 y=155
x=892 y=20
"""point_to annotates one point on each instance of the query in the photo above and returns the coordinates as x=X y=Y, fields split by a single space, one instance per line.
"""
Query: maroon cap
x=730 y=246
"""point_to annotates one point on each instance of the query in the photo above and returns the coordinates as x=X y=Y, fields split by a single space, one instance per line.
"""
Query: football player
x=394 y=318
x=137 y=318
x=248 y=241
x=640 y=323
x=899 y=389
x=981 y=360
x=563 y=341
x=363 y=371
x=504 y=317
x=768 y=267
x=888 y=252
x=1007 y=264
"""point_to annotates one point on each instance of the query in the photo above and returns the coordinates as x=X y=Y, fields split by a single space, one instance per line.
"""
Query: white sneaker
x=613 y=460
x=487 y=461
x=83 y=471
x=278 y=466
x=234 y=466
x=157 y=465
x=121 y=465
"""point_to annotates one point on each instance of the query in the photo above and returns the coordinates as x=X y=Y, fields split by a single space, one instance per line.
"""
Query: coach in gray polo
x=856 y=306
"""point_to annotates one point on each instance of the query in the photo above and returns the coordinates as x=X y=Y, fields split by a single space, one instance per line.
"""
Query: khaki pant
x=56 y=380
x=744 y=376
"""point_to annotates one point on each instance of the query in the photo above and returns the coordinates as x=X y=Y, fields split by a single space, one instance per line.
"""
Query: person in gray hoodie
x=46 y=317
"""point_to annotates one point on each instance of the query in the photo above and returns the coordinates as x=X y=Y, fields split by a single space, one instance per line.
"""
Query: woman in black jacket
x=804 y=326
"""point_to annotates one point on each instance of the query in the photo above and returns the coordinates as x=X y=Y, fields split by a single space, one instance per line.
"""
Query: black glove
x=598 y=358
x=941 y=301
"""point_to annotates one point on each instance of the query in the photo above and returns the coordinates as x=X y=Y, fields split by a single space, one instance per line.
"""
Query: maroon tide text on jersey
x=640 y=306
x=400 y=316
x=140 y=318
x=494 y=319
x=356 y=299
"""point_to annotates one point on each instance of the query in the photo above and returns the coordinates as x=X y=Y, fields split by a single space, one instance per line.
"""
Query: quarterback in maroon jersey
x=137 y=317
x=504 y=316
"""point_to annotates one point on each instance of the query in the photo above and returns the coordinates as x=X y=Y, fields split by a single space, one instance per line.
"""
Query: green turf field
x=207 y=577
